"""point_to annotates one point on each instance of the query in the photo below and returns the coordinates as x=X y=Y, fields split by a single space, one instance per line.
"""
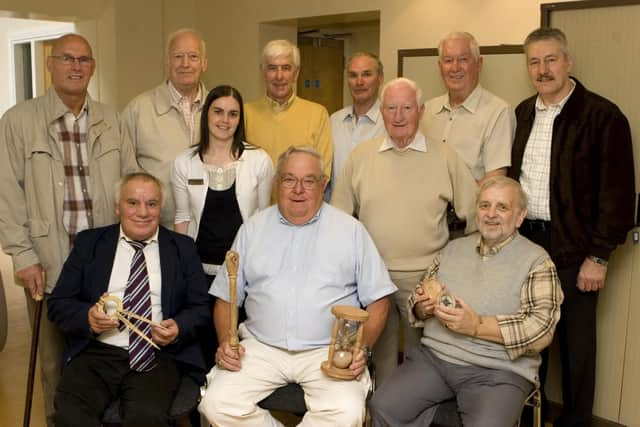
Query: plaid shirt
x=531 y=328
x=187 y=108
x=72 y=141
x=536 y=161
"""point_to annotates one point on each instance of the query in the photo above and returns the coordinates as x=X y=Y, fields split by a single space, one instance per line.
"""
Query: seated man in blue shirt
x=297 y=260
x=157 y=275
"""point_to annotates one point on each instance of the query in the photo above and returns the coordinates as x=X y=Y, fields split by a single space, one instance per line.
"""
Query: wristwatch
x=367 y=353
x=598 y=260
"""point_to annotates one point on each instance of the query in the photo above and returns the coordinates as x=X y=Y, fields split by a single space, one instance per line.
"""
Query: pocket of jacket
x=38 y=228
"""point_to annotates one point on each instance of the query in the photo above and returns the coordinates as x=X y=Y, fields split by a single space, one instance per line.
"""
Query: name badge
x=198 y=181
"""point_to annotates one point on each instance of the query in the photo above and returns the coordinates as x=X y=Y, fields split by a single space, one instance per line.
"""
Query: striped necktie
x=137 y=299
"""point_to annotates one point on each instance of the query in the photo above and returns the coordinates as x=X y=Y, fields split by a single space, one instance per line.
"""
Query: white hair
x=403 y=81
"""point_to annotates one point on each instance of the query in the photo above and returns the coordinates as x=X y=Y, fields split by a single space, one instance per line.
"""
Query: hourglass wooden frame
x=344 y=313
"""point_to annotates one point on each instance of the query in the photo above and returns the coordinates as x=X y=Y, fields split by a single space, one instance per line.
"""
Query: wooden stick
x=120 y=313
x=232 y=259
x=33 y=355
x=136 y=330
x=143 y=319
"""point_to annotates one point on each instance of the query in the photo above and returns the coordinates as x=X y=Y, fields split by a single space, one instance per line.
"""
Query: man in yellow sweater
x=398 y=186
x=280 y=119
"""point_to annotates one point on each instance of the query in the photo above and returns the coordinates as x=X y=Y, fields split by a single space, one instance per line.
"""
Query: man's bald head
x=60 y=43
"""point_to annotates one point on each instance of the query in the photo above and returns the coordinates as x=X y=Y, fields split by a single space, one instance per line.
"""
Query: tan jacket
x=158 y=132
x=32 y=179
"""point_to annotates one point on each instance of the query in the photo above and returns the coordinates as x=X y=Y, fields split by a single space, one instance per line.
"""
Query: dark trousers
x=576 y=332
x=100 y=374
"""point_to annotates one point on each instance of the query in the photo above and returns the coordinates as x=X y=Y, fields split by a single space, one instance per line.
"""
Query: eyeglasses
x=309 y=182
x=70 y=59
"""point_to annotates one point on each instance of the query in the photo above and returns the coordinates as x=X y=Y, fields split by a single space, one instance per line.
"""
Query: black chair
x=185 y=401
x=447 y=415
x=288 y=398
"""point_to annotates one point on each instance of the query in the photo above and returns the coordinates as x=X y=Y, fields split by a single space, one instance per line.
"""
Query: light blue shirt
x=290 y=276
x=347 y=133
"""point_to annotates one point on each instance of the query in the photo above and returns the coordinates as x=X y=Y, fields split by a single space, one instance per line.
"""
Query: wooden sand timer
x=346 y=340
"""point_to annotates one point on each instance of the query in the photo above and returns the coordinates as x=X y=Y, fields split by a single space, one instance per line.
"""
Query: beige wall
x=128 y=36
x=403 y=25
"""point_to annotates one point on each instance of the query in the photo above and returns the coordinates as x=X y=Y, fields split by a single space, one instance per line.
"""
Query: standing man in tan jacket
x=60 y=157
x=165 y=121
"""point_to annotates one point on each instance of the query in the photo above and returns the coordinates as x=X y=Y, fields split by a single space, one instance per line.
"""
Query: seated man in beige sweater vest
x=398 y=186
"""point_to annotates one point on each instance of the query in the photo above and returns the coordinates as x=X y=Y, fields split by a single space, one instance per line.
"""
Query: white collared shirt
x=536 y=161
x=419 y=143
x=481 y=129
x=120 y=276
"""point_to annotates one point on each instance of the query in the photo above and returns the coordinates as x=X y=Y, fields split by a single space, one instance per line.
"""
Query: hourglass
x=346 y=340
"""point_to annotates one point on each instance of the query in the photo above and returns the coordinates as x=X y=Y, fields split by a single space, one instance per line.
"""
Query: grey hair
x=473 y=43
x=400 y=81
x=143 y=176
x=301 y=149
x=501 y=182
x=379 y=66
x=280 y=48
x=173 y=36
x=548 y=33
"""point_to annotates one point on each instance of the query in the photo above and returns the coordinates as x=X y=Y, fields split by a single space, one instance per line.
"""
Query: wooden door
x=321 y=71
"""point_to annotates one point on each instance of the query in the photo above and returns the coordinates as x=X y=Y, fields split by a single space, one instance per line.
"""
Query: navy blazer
x=85 y=277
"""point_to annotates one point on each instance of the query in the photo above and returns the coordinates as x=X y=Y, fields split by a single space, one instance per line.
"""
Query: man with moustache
x=361 y=121
x=484 y=349
x=280 y=118
x=297 y=259
x=165 y=121
x=60 y=155
x=399 y=186
x=573 y=155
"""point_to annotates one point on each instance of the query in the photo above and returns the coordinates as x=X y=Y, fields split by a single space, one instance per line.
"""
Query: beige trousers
x=231 y=397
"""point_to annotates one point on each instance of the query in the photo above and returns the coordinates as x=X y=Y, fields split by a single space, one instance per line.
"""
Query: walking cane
x=232 y=259
x=32 y=357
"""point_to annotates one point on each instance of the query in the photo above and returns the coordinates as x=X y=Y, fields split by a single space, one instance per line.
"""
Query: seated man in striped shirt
x=482 y=344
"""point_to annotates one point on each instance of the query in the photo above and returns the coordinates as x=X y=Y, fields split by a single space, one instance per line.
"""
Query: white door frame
x=32 y=36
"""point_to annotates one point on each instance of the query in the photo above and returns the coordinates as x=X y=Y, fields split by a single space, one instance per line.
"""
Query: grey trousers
x=485 y=397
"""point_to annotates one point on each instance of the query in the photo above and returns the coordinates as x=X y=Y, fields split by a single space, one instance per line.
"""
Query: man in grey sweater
x=481 y=342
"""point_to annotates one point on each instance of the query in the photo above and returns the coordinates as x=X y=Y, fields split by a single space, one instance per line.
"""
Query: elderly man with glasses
x=297 y=259
x=60 y=156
